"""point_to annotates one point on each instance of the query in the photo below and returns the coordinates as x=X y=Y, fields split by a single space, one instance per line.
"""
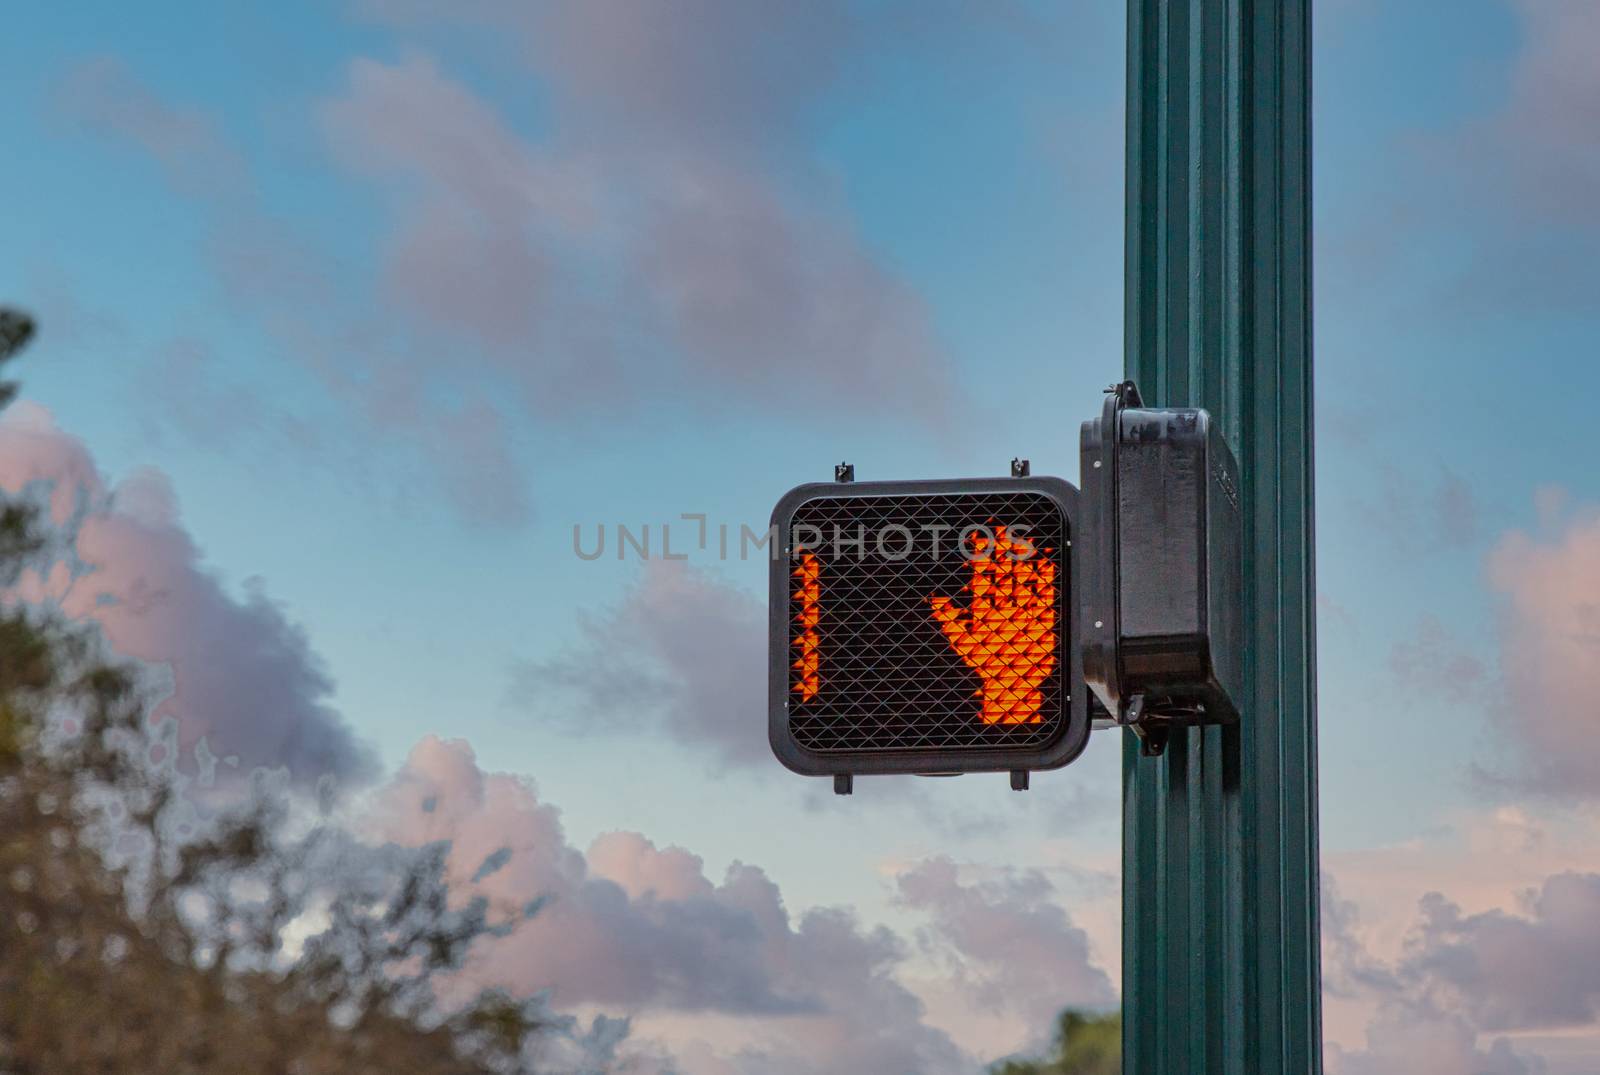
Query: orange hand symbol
x=1008 y=635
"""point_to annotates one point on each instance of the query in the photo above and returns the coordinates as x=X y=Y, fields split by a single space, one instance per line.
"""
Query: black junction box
x=1162 y=605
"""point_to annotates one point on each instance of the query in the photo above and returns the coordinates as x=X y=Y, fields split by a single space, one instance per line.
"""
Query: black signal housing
x=893 y=692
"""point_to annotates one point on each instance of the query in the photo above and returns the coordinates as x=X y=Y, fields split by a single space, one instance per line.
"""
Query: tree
x=141 y=934
x=1085 y=1045
x=16 y=329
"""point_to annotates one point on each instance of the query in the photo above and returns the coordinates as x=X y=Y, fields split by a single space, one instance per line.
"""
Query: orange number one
x=809 y=639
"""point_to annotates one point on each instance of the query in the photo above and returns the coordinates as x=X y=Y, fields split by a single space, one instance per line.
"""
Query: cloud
x=381 y=380
x=1548 y=122
x=243 y=677
x=1495 y=977
x=664 y=235
x=74 y=326
x=1008 y=943
x=1510 y=971
x=1531 y=167
x=1348 y=968
x=762 y=297
x=594 y=941
x=683 y=656
x=1425 y=1043
x=715 y=71
x=1496 y=210
x=472 y=203
x=196 y=157
x=632 y=925
x=718 y=268
x=1549 y=587
x=1423 y=517
x=480 y=473
x=1412 y=1027
x=1484 y=858
x=712 y=69
x=1433 y=662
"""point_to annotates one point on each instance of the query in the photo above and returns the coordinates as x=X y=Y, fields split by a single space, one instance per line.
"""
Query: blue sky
x=394 y=299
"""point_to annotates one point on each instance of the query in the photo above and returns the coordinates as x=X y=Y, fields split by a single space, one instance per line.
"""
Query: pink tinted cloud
x=1549 y=586
x=38 y=454
x=243 y=677
x=1554 y=109
x=1403 y=1029
x=758 y=294
x=473 y=203
x=636 y=926
x=1531 y=967
x=1423 y=1042
x=1461 y=984
x=1473 y=950
x=645 y=871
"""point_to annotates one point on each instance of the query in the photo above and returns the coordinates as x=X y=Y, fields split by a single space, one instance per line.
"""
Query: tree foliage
x=148 y=924
x=16 y=329
x=1085 y=1044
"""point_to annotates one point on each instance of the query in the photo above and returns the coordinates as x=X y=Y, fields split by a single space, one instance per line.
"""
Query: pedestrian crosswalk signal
x=925 y=627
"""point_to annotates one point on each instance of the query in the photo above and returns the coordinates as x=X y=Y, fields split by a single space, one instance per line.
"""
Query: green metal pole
x=1220 y=921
